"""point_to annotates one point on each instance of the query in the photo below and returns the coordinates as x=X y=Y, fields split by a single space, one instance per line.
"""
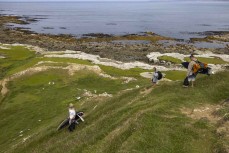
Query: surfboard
x=185 y=64
x=65 y=122
x=203 y=71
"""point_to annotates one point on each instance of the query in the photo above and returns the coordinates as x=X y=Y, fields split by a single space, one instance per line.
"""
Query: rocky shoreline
x=221 y=61
x=126 y=48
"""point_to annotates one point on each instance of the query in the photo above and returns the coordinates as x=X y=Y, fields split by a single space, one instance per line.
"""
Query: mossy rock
x=170 y=59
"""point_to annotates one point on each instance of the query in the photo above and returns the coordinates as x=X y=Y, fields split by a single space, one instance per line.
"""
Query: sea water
x=178 y=19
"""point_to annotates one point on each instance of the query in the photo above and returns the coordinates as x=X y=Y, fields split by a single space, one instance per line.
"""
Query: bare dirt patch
x=72 y=68
x=4 y=89
x=211 y=113
x=146 y=91
x=206 y=111
x=93 y=95
x=3 y=47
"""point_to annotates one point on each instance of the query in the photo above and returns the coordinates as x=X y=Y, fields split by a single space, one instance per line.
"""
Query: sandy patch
x=206 y=111
x=91 y=95
x=209 y=112
x=148 y=75
x=3 y=83
x=30 y=47
x=3 y=47
x=128 y=79
x=146 y=91
x=72 y=68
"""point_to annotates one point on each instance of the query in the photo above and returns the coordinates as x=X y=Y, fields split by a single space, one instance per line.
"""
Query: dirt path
x=4 y=89
x=206 y=111
x=146 y=91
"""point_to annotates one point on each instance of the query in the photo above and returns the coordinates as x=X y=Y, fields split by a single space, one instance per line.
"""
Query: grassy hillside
x=145 y=119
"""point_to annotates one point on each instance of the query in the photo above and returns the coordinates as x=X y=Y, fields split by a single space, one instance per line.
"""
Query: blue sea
x=178 y=19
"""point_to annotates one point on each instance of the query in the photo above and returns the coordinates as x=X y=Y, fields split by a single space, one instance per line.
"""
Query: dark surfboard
x=202 y=71
x=185 y=64
x=65 y=122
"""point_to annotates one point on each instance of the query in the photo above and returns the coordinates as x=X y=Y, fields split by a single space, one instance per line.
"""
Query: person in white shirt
x=155 y=76
x=72 y=114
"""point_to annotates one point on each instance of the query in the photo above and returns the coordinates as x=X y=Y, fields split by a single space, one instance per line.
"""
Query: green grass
x=32 y=97
x=19 y=58
x=17 y=53
x=209 y=60
x=130 y=121
x=170 y=59
x=34 y=61
x=15 y=57
x=144 y=122
x=67 y=60
x=134 y=72
x=175 y=75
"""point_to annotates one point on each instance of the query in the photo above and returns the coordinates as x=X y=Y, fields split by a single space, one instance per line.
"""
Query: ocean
x=178 y=19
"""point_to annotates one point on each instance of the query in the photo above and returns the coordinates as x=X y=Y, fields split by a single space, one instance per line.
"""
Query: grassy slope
x=170 y=59
x=128 y=122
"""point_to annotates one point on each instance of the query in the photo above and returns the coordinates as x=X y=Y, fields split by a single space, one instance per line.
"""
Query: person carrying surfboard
x=191 y=74
x=72 y=114
x=157 y=75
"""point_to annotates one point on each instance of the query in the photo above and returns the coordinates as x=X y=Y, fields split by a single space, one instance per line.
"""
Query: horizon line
x=75 y=0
